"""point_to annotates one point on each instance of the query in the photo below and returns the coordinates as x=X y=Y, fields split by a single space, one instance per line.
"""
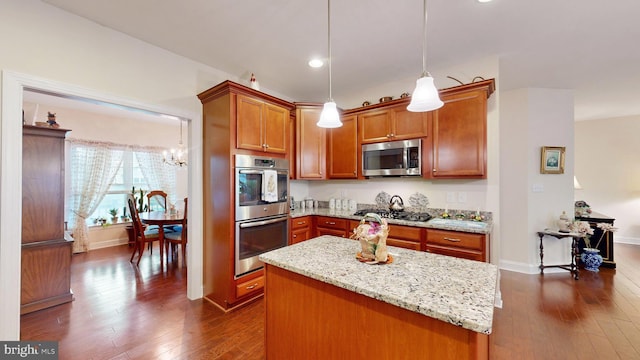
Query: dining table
x=161 y=219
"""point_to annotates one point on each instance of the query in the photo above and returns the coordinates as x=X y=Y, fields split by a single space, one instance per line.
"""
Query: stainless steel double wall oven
x=262 y=209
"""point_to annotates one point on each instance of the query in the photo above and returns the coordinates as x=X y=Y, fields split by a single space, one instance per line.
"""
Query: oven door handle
x=251 y=172
x=262 y=223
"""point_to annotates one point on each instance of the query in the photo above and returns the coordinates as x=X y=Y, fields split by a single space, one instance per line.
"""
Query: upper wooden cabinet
x=391 y=124
x=342 y=150
x=261 y=126
x=460 y=132
x=311 y=143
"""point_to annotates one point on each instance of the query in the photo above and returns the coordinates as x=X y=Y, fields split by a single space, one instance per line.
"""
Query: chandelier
x=176 y=157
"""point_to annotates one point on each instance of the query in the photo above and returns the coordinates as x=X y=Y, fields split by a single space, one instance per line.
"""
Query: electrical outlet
x=451 y=197
x=537 y=188
x=462 y=197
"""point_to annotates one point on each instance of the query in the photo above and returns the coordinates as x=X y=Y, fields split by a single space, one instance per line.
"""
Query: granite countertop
x=453 y=290
x=436 y=223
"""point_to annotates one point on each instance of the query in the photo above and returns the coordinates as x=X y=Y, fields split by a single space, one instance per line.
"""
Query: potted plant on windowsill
x=114 y=215
x=591 y=254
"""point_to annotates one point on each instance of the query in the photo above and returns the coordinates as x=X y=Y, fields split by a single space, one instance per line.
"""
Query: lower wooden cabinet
x=326 y=225
x=301 y=229
x=408 y=237
x=459 y=244
x=253 y=286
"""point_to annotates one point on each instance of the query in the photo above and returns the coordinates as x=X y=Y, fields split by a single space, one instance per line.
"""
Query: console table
x=606 y=245
x=575 y=253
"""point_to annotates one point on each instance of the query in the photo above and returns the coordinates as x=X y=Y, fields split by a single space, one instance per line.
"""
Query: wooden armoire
x=46 y=252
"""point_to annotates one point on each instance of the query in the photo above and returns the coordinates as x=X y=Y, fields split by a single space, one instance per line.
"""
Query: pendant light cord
x=329 y=43
x=424 y=41
x=180 y=143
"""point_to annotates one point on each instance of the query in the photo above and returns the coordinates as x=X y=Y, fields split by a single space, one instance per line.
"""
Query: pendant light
x=176 y=157
x=425 y=97
x=329 y=117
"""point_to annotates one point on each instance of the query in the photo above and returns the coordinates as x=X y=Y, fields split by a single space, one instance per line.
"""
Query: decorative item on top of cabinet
x=460 y=132
x=311 y=142
x=342 y=150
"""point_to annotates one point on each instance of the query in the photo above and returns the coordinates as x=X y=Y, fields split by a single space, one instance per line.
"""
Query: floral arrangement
x=583 y=228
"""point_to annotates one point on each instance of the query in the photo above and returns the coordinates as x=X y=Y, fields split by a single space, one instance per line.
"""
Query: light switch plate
x=462 y=197
x=537 y=188
x=451 y=197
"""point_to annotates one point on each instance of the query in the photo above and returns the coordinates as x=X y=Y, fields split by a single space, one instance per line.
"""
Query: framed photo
x=552 y=160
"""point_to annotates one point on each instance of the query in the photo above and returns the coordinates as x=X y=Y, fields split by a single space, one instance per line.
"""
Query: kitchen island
x=322 y=303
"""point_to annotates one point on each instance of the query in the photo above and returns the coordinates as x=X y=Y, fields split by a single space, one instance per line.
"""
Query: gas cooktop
x=399 y=215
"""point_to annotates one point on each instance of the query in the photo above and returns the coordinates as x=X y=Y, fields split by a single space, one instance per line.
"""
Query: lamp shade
x=329 y=117
x=425 y=97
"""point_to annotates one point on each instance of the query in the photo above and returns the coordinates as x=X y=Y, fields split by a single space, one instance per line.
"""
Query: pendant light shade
x=425 y=97
x=329 y=117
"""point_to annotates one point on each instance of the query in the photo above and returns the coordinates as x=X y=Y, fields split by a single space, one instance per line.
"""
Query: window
x=103 y=175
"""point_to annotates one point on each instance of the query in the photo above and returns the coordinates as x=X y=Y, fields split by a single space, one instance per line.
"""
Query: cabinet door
x=408 y=125
x=374 y=126
x=276 y=129
x=342 y=152
x=311 y=147
x=299 y=235
x=459 y=136
x=250 y=126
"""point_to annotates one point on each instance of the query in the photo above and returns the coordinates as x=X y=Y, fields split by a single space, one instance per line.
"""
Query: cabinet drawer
x=301 y=222
x=333 y=232
x=332 y=223
x=459 y=253
x=249 y=286
x=407 y=244
x=455 y=239
x=405 y=232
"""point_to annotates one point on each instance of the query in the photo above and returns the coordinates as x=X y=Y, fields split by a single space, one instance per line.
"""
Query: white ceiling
x=586 y=45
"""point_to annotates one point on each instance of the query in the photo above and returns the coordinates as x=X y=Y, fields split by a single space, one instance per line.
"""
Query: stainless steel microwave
x=394 y=158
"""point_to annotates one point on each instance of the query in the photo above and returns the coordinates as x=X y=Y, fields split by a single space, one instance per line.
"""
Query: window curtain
x=157 y=174
x=93 y=169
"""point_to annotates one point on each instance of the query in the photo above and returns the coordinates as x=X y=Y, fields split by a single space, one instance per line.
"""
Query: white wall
x=61 y=51
x=608 y=169
x=530 y=119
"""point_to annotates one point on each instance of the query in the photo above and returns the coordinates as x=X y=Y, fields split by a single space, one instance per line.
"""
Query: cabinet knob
x=392 y=134
x=295 y=236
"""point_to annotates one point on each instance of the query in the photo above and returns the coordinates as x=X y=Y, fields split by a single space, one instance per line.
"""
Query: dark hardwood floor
x=122 y=312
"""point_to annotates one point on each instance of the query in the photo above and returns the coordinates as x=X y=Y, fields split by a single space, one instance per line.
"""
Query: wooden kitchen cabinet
x=408 y=237
x=311 y=143
x=391 y=124
x=46 y=250
x=342 y=150
x=301 y=229
x=326 y=225
x=460 y=132
x=235 y=120
x=261 y=126
x=458 y=244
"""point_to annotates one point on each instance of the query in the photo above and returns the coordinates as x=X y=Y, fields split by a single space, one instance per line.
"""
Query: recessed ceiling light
x=316 y=63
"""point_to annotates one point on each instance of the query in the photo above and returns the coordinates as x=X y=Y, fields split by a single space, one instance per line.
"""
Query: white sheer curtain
x=157 y=174
x=93 y=168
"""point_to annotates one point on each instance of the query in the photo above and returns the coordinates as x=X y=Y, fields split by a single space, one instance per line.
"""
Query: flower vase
x=591 y=259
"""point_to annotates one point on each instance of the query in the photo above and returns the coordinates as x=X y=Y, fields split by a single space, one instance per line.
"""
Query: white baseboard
x=626 y=240
x=108 y=243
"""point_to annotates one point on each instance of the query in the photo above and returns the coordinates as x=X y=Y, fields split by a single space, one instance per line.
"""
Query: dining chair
x=141 y=235
x=179 y=236
x=157 y=200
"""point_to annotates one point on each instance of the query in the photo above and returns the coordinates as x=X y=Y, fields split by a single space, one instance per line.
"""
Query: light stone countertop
x=454 y=225
x=453 y=290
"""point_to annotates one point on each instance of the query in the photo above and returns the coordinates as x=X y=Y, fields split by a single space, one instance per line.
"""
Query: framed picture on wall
x=552 y=160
